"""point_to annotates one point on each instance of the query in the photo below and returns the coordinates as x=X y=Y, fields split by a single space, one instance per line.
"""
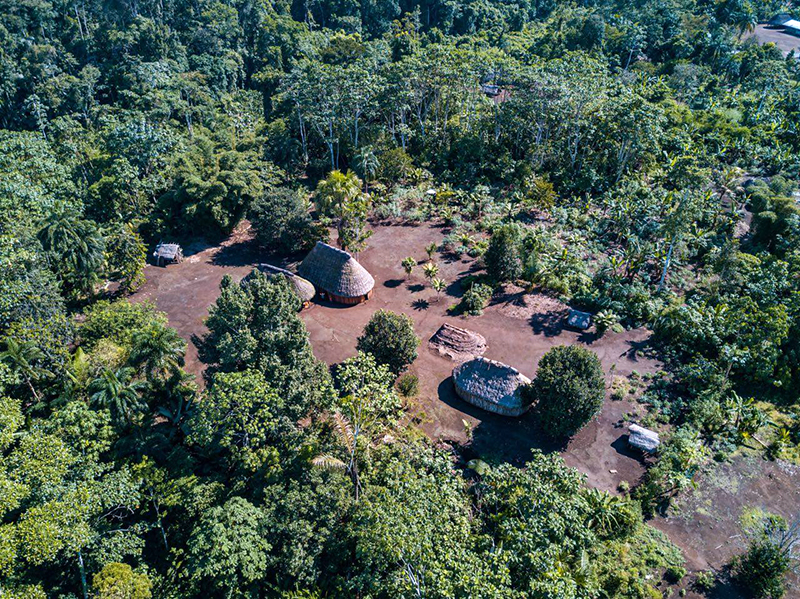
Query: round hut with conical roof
x=337 y=275
x=490 y=385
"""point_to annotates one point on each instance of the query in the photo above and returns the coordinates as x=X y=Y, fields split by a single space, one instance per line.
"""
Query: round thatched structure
x=456 y=343
x=304 y=289
x=490 y=385
x=337 y=275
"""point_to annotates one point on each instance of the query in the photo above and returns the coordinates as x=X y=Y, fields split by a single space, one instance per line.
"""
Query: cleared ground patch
x=519 y=328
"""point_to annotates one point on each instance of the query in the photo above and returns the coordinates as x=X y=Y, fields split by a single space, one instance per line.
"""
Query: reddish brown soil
x=519 y=329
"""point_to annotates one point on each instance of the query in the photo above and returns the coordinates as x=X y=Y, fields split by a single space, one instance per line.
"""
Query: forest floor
x=519 y=328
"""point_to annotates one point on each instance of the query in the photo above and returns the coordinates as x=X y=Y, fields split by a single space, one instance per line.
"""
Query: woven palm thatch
x=337 y=273
x=457 y=344
x=490 y=385
x=643 y=438
x=304 y=289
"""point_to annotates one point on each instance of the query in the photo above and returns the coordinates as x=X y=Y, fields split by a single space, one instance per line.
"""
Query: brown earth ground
x=766 y=34
x=519 y=328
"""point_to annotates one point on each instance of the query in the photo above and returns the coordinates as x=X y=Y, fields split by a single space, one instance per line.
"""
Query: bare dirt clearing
x=766 y=34
x=519 y=328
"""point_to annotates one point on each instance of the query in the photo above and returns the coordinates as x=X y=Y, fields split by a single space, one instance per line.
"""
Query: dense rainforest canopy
x=638 y=159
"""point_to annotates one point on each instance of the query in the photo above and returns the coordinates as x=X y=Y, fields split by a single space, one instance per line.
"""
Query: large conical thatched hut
x=304 y=289
x=490 y=385
x=337 y=275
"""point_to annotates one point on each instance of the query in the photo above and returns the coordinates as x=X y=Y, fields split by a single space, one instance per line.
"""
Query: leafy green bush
x=762 y=568
x=390 y=338
x=475 y=299
x=568 y=390
x=408 y=385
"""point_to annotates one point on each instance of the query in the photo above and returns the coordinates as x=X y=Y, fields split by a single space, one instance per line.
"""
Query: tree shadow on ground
x=242 y=253
x=643 y=348
x=549 y=324
x=499 y=438
x=393 y=283
x=416 y=287
x=420 y=304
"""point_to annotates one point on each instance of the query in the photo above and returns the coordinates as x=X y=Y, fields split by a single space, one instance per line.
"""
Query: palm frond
x=328 y=462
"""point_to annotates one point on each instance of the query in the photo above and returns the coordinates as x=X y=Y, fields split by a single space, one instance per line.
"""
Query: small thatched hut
x=304 y=289
x=337 y=275
x=643 y=438
x=167 y=253
x=490 y=385
x=457 y=344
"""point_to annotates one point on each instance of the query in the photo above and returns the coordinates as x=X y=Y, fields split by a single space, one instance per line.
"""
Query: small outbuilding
x=168 y=253
x=792 y=27
x=579 y=320
x=779 y=19
x=643 y=438
x=337 y=275
x=304 y=289
x=492 y=386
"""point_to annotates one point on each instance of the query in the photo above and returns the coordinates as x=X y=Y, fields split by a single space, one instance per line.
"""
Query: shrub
x=502 y=259
x=675 y=574
x=568 y=390
x=475 y=299
x=408 y=385
x=390 y=338
x=761 y=569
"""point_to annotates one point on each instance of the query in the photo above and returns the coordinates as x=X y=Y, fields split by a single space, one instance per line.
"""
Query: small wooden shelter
x=643 y=438
x=492 y=386
x=168 y=253
x=579 y=320
x=337 y=275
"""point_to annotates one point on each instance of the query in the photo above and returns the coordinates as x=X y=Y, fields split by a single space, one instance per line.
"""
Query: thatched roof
x=304 y=289
x=456 y=343
x=168 y=251
x=779 y=19
x=335 y=271
x=491 y=385
x=643 y=438
x=579 y=320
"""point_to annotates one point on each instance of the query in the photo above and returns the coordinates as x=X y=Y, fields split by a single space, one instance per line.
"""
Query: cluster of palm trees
x=430 y=269
x=152 y=369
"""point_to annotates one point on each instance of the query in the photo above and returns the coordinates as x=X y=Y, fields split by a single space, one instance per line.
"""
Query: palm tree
x=408 y=265
x=430 y=269
x=158 y=350
x=438 y=285
x=117 y=391
x=347 y=435
x=367 y=162
x=24 y=357
x=75 y=247
x=430 y=249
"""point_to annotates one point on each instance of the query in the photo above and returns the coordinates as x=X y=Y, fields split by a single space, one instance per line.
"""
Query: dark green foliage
x=391 y=339
x=282 y=221
x=502 y=259
x=255 y=326
x=475 y=298
x=761 y=570
x=408 y=385
x=214 y=188
x=568 y=390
